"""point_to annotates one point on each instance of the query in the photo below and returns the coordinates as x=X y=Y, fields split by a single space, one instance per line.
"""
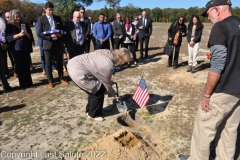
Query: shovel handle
x=116 y=87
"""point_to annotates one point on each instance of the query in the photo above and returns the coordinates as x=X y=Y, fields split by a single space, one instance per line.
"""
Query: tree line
x=64 y=8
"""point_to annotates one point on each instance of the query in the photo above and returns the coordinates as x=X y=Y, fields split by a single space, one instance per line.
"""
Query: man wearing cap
x=218 y=115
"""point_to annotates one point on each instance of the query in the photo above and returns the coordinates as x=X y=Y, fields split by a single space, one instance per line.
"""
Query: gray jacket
x=90 y=71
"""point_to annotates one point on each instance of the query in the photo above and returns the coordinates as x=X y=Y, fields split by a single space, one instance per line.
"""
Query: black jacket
x=43 y=25
x=124 y=31
x=198 y=34
x=173 y=30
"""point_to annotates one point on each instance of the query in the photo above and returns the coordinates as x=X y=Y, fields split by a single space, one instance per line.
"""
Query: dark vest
x=229 y=81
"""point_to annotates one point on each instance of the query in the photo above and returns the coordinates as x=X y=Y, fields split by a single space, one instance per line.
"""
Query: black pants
x=5 y=62
x=146 y=41
x=22 y=68
x=76 y=50
x=117 y=43
x=132 y=49
x=2 y=70
x=105 y=45
x=87 y=44
x=176 y=55
x=136 y=42
x=57 y=53
x=95 y=102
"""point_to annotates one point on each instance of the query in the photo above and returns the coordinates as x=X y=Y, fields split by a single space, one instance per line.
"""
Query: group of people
x=176 y=32
x=218 y=113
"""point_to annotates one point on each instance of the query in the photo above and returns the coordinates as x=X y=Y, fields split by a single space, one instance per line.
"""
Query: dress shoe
x=50 y=85
x=43 y=72
x=146 y=55
x=64 y=81
x=15 y=75
x=141 y=57
x=7 y=88
x=169 y=65
x=129 y=65
x=174 y=67
x=136 y=65
x=55 y=71
x=189 y=69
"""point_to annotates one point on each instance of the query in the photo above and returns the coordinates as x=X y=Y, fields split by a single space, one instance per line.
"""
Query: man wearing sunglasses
x=86 y=29
x=218 y=113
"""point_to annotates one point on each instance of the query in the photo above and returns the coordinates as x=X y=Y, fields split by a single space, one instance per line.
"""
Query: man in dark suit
x=91 y=37
x=74 y=37
x=86 y=28
x=145 y=30
x=52 y=43
x=117 y=31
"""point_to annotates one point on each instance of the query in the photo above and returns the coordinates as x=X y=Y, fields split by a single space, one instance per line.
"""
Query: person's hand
x=116 y=98
x=53 y=35
x=59 y=35
x=22 y=33
x=183 y=34
x=131 y=37
x=205 y=104
x=191 y=43
x=86 y=38
x=170 y=38
x=141 y=27
x=120 y=37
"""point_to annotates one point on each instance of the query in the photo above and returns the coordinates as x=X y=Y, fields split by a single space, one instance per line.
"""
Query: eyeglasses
x=210 y=11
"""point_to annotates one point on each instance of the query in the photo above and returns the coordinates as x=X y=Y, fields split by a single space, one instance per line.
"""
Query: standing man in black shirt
x=218 y=114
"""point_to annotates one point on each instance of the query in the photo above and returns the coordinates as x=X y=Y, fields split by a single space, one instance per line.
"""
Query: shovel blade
x=122 y=107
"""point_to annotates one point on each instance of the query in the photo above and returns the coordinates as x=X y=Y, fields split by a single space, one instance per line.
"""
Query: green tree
x=114 y=4
x=65 y=8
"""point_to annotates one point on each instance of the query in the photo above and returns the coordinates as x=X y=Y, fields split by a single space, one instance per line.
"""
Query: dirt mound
x=122 y=144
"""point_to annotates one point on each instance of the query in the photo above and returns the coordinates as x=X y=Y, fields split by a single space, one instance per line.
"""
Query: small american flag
x=54 y=32
x=141 y=95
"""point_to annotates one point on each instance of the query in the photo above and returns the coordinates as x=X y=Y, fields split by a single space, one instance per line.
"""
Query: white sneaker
x=96 y=118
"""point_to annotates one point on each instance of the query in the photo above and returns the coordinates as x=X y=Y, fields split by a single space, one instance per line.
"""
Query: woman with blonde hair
x=20 y=39
x=93 y=72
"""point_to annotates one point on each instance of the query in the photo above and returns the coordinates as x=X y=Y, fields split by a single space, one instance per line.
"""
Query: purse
x=168 y=48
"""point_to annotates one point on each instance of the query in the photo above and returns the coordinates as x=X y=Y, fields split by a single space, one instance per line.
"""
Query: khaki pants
x=220 y=123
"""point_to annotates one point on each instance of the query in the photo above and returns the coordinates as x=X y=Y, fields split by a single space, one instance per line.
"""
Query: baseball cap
x=213 y=3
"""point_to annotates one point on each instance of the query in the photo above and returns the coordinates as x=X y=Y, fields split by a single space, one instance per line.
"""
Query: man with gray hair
x=74 y=38
x=218 y=114
x=145 y=31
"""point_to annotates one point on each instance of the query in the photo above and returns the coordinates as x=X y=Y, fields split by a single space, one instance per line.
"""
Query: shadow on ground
x=11 y=108
x=132 y=106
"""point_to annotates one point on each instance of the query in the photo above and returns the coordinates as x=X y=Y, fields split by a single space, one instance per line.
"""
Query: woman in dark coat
x=194 y=35
x=128 y=31
x=177 y=26
x=20 y=39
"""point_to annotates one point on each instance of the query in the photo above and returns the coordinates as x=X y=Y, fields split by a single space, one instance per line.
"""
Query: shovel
x=121 y=105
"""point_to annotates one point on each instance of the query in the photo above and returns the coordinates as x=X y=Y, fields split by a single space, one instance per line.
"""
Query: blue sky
x=154 y=3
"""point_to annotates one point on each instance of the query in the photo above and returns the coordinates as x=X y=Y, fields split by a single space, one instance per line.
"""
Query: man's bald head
x=76 y=16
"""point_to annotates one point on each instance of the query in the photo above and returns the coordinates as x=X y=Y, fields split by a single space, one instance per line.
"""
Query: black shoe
x=146 y=55
x=189 y=69
x=136 y=65
x=141 y=57
x=7 y=89
x=174 y=67
x=129 y=65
